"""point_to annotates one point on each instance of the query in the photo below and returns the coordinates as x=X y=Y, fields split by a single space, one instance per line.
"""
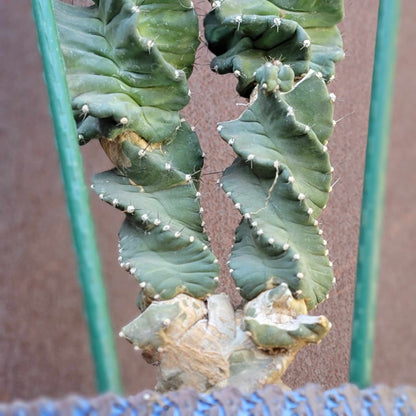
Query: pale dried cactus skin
x=208 y=345
x=277 y=320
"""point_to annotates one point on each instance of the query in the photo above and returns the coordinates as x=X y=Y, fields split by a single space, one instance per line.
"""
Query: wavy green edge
x=127 y=68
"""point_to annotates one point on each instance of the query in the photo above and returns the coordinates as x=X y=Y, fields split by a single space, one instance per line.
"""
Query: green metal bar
x=89 y=269
x=371 y=228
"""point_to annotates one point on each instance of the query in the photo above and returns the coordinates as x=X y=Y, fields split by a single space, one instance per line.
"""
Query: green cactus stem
x=127 y=68
x=280 y=183
x=128 y=63
x=281 y=178
x=244 y=42
x=278 y=321
x=244 y=34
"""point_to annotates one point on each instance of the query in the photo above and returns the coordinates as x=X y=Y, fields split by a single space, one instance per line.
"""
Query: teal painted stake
x=373 y=194
x=101 y=334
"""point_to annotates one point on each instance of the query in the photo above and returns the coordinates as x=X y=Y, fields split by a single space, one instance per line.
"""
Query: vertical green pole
x=362 y=345
x=89 y=269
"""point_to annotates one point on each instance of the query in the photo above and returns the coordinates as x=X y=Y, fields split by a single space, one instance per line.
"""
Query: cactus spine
x=128 y=63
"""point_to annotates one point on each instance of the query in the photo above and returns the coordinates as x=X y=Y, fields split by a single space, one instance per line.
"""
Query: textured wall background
x=43 y=340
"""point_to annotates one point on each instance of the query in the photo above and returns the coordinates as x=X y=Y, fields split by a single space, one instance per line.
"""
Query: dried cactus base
x=207 y=344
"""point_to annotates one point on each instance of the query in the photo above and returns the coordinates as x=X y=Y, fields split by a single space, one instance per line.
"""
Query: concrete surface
x=43 y=340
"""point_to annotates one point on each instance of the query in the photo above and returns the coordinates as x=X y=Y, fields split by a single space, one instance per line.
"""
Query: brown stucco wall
x=43 y=340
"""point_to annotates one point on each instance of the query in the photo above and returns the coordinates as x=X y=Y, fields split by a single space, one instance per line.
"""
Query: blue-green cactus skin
x=282 y=176
x=127 y=65
x=280 y=183
x=127 y=68
x=327 y=50
x=270 y=331
x=244 y=34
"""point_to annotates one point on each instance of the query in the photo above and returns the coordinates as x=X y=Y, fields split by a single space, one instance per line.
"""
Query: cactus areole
x=128 y=64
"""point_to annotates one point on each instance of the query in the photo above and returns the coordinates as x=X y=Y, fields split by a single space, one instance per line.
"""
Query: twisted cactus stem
x=128 y=63
x=209 y=345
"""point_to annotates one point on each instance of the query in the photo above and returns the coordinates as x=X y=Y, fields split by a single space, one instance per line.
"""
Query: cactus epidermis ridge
x=128 y=63
x=127 y=68
x=162 y=242
x=246 y=33
x=283 y=53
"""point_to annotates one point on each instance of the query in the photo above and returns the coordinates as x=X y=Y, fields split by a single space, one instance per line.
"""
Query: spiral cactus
x=283 y=54
x=280 y=182
x=127 y=67
x=244 y=34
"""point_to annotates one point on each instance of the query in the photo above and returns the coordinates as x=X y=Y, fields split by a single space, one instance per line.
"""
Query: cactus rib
x=281 y=177
x=280 y=182
x=128 y=63
x=127 y=68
